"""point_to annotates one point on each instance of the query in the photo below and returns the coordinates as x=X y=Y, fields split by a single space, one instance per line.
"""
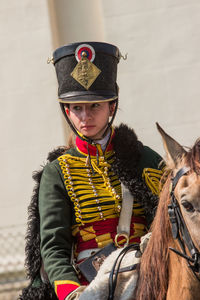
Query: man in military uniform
x=78 y=198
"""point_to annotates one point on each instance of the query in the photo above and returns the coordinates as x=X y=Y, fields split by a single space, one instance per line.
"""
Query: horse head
x=184 y=214
x=175 y=242
x=186 y=166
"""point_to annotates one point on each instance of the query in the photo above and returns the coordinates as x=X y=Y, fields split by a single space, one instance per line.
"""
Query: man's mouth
x=87 y=126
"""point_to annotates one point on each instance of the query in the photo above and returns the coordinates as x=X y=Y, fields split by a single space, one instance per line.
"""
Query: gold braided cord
x=152 y=178
x=86 y=230
x=85 y=189
x=75 y=230
x=94 y=209
x=76 y=161
x=91 y=214
x=94 y=218
x=81 y=187
x=103 y=237
x=139 y=226
x=97 y=196
x=138 y=212
x=91 y=202
x=88 y=237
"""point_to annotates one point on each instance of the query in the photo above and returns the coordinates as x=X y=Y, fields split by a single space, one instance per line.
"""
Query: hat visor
x=77 y=97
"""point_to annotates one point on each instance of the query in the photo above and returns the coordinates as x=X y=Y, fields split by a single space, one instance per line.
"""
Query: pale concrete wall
x=160 y=79
x=29 y=117
x=75 y=21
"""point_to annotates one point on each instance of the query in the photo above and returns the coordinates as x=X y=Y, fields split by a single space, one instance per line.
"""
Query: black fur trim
x=44 y=292
x=127 y=149
x=33 y=258
x=128 y=152
x=56 y=153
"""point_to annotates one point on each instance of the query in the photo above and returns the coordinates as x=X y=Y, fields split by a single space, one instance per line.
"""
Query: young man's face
x=90 y=119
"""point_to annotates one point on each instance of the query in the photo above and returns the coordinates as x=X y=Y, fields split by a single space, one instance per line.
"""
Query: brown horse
x=164 y=274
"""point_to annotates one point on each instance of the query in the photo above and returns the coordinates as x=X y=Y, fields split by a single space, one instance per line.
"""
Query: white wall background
x=158 y=82
x=160 y=79
x=29 y=117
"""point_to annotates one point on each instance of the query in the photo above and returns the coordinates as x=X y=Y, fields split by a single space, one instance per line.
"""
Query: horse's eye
x=188 y=206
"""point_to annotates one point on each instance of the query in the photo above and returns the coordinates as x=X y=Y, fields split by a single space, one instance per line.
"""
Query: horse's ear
x=173 y=149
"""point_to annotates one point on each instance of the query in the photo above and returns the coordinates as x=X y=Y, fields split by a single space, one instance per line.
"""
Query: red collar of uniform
x=84 y=146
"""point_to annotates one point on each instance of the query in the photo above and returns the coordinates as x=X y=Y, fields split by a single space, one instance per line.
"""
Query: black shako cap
x=74 y=79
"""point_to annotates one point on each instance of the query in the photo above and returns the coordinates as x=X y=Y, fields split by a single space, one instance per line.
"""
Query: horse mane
x=153 y=271
x=193 y=158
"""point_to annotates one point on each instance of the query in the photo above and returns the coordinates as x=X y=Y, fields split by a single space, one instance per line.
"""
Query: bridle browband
x=180 y=231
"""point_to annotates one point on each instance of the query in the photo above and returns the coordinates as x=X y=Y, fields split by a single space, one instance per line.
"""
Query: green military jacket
x=80 y=188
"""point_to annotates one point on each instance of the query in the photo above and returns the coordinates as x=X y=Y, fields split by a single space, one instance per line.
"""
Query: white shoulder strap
x=123 y=228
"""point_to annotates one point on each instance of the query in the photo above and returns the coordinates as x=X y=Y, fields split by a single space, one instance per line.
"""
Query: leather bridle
x=180 y=231
x=116 y=268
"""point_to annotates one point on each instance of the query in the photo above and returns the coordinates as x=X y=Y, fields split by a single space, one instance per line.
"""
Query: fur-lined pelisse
x=128 y=152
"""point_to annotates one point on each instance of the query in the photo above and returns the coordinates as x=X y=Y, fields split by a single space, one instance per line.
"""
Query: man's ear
x=112 y=108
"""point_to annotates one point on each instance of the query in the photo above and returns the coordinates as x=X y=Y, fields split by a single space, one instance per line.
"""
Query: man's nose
x=86 y=114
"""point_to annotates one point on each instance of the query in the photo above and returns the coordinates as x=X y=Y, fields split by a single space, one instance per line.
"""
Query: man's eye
x=96 y=105
x=76 y=107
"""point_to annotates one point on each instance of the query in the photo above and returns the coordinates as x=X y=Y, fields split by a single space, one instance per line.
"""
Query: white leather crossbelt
x=86 y=253
x=123 y=228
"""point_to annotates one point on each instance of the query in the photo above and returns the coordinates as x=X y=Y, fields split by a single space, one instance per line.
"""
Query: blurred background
x=159 y=81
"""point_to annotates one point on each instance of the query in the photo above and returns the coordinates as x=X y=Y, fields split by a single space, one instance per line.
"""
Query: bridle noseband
x=180 y=231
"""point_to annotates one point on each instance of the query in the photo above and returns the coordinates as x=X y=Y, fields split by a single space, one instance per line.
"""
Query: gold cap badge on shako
x=87 y=72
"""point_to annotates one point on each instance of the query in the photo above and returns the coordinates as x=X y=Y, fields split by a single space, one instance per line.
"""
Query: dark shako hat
x=86 y=72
